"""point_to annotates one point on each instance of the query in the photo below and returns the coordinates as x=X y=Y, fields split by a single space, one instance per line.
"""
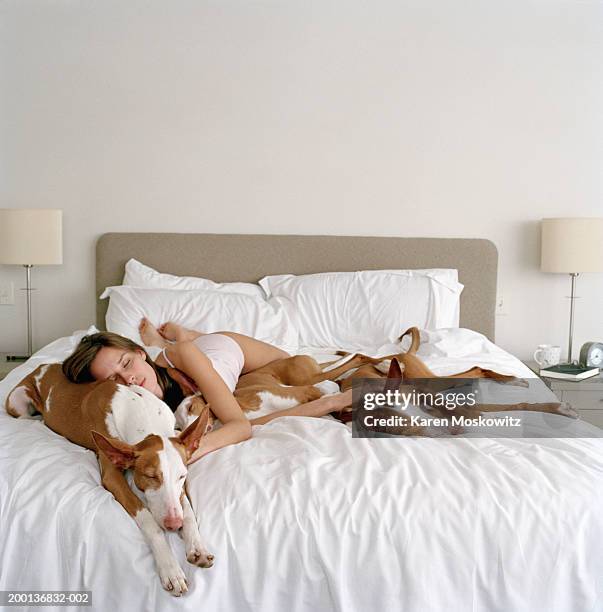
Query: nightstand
x=585 y=396
x=7 y=366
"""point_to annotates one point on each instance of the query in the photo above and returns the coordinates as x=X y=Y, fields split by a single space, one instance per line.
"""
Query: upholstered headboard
x=249 y=257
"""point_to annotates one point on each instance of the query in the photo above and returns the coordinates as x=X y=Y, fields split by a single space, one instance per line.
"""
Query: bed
x=303 y=516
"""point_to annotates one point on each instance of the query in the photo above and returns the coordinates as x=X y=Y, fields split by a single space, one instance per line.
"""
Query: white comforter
x=303 y=517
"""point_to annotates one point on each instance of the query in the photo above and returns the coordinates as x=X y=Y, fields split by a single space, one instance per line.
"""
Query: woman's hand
x=197 y=366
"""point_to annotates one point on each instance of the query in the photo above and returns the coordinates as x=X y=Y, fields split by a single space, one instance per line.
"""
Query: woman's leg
x=255 y=352
x=153 y=336
x=176 y=333
x=149 y=334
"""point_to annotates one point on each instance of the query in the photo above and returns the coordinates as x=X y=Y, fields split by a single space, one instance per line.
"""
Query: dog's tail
x=414 y=345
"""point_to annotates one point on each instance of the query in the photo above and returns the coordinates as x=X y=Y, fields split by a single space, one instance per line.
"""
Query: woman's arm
x=316 y=408
x=235 y=426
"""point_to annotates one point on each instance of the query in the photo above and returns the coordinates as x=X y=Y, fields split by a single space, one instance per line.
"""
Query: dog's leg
x=477 y=372
x=170 y=573
x=302 y=370
x=277 y=396
x=562 y=408
x=473 y=412
x=415 y=368
x=355 y=362
x=195 y=551
x=298 y=370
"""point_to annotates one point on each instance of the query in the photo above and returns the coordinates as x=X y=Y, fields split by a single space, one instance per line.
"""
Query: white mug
x=547 y=355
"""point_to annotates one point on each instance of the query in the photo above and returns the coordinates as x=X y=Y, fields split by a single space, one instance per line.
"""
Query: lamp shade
x=572 y=245
x=31 y=236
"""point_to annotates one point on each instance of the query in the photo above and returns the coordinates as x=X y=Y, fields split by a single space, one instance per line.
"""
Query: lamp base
x=17 y=358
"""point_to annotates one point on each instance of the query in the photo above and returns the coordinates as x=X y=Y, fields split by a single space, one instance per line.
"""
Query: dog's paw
x=455 y=430
x=195 y=551
x=566 y=410
x=173 y=579
x=327 y=387
x=198 y=556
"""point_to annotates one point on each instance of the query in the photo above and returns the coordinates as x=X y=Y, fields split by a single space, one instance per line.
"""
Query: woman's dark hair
x=77 y=366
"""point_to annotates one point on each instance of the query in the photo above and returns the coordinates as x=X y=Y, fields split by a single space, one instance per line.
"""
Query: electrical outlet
x=501 y=308
x=7 y=293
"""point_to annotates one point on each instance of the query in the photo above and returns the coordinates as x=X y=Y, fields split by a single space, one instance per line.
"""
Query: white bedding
x=303 y=517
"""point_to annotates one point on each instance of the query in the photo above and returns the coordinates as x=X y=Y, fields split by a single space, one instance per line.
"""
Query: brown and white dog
x=295 y=380
x=281 y=384
x=406 y=371
x=128 y=428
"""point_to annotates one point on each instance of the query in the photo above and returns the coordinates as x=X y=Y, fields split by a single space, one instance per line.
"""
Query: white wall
x=461 y=119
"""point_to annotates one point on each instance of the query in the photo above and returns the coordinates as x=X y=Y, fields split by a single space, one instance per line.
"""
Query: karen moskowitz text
x=459 y=407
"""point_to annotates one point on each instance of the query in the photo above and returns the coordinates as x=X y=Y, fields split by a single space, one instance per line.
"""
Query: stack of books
x=569 y=371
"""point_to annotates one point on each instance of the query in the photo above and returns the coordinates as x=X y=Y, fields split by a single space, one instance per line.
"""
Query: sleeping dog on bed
x=407 y=368
x=301 y=379
x=130 y=429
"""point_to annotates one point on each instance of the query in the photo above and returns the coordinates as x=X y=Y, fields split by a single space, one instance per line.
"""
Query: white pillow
x=204 y=311
x=449 y=302
x=353 y=310
x=447 y=294
x=139 y=275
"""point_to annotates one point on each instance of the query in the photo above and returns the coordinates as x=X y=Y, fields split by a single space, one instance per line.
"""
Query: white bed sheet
x=303 y=517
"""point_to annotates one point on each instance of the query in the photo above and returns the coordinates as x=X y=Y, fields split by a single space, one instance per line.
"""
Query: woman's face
x=125 y=367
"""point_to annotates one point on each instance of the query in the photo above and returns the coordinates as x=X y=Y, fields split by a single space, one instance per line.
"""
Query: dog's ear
x=394 y=376
x=394 y=369
x=119 y=453
x=192 y=435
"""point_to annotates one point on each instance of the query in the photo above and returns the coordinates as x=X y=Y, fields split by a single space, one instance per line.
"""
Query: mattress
x=304 y=517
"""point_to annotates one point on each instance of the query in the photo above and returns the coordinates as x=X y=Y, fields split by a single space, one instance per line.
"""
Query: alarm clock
x=591 y=354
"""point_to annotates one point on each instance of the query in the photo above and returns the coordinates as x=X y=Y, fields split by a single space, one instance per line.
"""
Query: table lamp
x=572 y=245
x=30 y=237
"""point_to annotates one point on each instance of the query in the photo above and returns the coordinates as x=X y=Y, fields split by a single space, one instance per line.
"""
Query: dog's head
x=159 y=467
x=193 y=404
x=189 y=409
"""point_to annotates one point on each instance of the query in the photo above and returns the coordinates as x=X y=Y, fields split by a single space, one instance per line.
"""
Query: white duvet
x=303 y=517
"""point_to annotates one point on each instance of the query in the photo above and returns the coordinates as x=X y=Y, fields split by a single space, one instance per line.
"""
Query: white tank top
x=225 y=355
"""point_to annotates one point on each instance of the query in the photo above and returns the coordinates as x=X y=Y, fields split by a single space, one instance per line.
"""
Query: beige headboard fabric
x=249 y=257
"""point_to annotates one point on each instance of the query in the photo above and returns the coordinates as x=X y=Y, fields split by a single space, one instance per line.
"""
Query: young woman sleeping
x=213 y=361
